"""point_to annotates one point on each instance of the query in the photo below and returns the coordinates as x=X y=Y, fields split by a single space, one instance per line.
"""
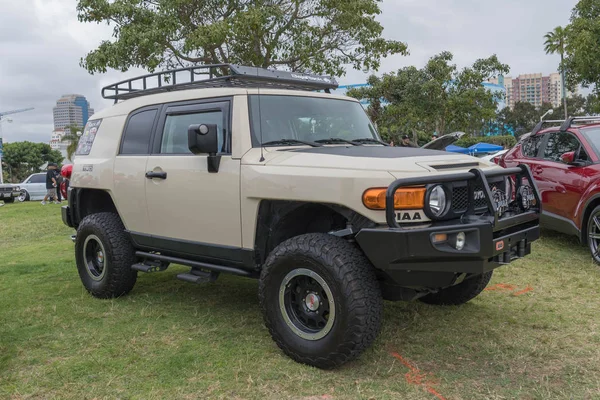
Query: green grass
x=170 y=339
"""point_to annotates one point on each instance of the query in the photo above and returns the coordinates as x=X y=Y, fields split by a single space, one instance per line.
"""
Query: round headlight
x=437 y=201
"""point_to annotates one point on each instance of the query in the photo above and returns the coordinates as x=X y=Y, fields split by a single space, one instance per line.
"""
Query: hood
x=372 y=158
x=444 y=141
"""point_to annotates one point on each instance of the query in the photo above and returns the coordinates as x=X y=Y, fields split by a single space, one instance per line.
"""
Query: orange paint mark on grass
x=416 y=377
x=501 y=287
x=520 y=292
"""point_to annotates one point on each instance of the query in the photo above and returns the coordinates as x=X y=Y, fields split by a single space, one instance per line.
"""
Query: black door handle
x=159 y=175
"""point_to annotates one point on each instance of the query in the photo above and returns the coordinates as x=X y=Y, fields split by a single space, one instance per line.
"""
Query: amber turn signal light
x=405 y=198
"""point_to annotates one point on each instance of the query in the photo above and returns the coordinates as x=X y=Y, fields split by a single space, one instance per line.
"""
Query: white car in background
x=491 y=157
x=33 y=188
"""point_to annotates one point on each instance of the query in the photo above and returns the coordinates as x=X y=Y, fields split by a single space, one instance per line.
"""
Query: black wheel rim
x=306 y=304
x=594 y=236
x=94 y=257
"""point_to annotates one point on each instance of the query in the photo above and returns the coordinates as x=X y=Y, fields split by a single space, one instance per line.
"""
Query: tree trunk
x=564 y=84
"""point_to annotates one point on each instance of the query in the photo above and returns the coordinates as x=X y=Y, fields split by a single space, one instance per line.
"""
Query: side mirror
x=568 y=158
x=204 y=139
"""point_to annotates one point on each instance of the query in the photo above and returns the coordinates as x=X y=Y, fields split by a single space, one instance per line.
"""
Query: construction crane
x=3 y=117
x=5 y=113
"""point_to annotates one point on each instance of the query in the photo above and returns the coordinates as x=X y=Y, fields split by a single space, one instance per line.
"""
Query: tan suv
x=264 y=174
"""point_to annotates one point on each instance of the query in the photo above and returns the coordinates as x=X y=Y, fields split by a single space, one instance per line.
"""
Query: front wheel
x=461 y=293
x=23 y=196
x=104 y=256
x=9 y=200
x=320 y=300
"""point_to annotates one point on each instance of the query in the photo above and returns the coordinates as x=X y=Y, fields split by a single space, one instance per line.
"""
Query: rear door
x=130 y=168
x=192 y=210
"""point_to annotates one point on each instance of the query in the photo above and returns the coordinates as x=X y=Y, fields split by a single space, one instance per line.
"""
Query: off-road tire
x=356 y=293
x=9 y=200
x=119 y=256
x=461 y=293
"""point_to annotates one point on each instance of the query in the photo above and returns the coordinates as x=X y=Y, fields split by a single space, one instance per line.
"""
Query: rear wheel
x=461 y=293
x=320 y=300
x=593 y=226
x=104 y=256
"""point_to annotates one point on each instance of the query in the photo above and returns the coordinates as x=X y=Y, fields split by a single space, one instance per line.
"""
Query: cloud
x=41 y=43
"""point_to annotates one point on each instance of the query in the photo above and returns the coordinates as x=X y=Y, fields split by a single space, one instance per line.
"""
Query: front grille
x=6 y=190
x=460 y=199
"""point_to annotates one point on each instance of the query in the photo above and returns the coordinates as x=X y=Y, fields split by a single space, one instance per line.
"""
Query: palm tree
x=555 y=44
x=72 y=137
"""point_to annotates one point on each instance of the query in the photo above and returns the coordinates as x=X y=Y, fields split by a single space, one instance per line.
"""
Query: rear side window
x=531 y=146
x=87 y=138
x=136 y=138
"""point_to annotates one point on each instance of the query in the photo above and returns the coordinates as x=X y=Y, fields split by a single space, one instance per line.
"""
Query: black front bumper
x=410 y=258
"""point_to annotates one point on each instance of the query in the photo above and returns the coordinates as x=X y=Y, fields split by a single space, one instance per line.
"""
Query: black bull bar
x=473 y=177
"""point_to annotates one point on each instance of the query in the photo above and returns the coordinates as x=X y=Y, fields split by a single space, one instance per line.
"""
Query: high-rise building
x=533 y=88
x=71 y=109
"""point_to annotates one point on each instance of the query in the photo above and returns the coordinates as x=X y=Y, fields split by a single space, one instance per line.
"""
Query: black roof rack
x=565 y=124
x=215 y=75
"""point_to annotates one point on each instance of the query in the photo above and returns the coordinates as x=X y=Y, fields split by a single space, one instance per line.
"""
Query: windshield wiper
x=370 y=140
x=291 y=142
x=334 y=140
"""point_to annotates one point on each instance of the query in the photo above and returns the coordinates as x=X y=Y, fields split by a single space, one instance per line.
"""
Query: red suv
x=565 y=163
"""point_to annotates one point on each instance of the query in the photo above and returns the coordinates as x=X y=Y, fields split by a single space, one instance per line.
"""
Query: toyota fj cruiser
x=265 y=174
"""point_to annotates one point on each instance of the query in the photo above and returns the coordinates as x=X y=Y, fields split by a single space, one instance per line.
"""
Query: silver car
x=33 y=188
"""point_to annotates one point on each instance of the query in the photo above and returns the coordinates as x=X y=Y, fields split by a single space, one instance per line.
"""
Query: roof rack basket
x=212 y=76
x=567 y=123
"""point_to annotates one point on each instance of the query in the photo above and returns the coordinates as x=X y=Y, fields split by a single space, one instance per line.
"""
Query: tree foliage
x=25 y=158
x=582 y=50
x=303 y=35
x=436 y=98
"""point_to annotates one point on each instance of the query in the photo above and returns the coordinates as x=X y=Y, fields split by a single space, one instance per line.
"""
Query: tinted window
x=531 y=146
x=560 y=143
x=136 y=139
x=38 y=179
x=307 y=118
x=175 y=135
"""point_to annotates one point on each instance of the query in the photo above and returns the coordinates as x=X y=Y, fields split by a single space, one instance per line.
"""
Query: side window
x=560 y=143
x=38 y=179
x=531 y=146
x=175 y=134
x=136 y=138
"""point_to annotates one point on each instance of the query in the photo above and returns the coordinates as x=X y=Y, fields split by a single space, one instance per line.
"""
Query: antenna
x=262 y=155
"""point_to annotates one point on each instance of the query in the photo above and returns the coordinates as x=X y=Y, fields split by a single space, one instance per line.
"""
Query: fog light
x=461 y=240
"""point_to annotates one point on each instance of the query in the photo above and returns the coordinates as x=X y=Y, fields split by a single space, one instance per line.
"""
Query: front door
x=562 y=184
x=193 y=211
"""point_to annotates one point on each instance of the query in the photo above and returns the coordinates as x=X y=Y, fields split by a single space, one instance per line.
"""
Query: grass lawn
x=534 y=335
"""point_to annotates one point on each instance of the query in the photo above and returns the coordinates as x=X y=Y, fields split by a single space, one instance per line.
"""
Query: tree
x=555 y=44
x=582 y=52
x=72 y=137
x=437 y=98
x=25 y=158
x=302 y=35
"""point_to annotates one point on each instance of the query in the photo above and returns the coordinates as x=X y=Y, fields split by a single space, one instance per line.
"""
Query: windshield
x=593 y=137
x=307 y=119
